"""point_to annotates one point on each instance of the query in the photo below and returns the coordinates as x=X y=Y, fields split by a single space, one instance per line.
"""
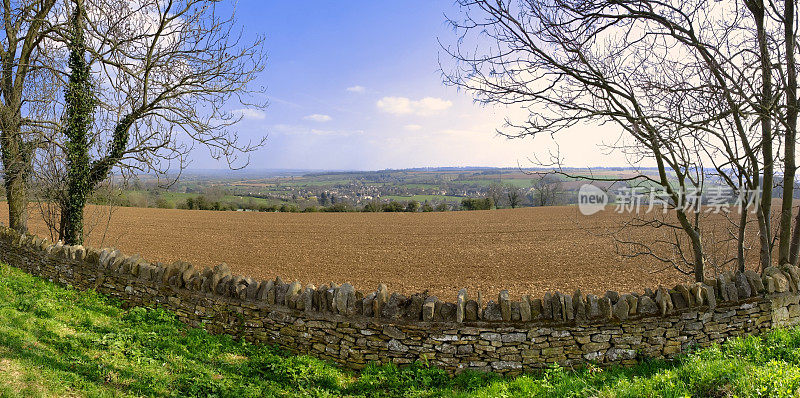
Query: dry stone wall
x=341 y=324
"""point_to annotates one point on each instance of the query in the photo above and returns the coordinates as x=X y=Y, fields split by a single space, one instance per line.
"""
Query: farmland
x=315 y=190
x=527 y=251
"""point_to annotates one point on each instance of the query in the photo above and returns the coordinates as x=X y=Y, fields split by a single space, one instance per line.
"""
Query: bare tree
x=167 y=72
x=790 y=120
x=673 y=77
x=737 y=53
x=514 y=196
x=547 y=190
x=497 y=192
x=27 y=84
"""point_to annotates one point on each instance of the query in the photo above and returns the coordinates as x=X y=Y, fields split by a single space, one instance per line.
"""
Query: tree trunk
x=765 y=255
x=793 y=256
x=699 y=261
x=16 y=164
x=78 y=189
x=791 y=133
x=697 y=246
x=72 y=221
x=80 y=104
x=740 y=239
x=16 y=192
x=788 y=247
x=764 y=104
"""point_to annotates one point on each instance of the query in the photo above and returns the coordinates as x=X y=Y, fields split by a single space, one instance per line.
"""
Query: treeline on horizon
x=373 y=206
x=204 y=202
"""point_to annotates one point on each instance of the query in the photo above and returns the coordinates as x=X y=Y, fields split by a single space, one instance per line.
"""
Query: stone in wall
x=756 y=283
x=492 y=312
x=415 y=304
x=647 y=306
x=504 y=301
x=613 y=296
x=525 y=313
x=664 y=301
x=605 y=308
x=429 y=308
x=394 y=307
x=381 y=298
x=471 y=311
x=461 y=304
x=621 y=310
x=593 y=306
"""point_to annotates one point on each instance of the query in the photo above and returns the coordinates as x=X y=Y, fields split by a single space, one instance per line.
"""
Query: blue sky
x=355 y=85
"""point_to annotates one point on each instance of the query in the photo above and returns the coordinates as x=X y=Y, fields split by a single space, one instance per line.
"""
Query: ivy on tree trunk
x=80 y=104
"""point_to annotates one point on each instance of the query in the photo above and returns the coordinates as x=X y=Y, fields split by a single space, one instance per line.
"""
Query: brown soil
x=527 y=251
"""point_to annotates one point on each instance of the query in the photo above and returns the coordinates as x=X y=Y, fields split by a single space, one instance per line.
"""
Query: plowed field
x=527 y=251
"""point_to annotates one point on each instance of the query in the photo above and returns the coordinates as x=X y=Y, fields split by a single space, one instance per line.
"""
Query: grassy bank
x=57 y=342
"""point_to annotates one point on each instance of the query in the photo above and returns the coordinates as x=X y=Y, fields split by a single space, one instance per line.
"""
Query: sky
x=356 y=85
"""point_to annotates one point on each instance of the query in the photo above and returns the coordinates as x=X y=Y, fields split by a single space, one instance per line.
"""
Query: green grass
x=423 y=198
x=479 y=182
x=180 y=197
x=258 y=201
x=308 y=182
x=421 y=185
x=177 y=198
x=62 y=342
x=517 y=182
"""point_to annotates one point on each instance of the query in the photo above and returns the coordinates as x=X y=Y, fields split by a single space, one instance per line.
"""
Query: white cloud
x=341 y=133
x=356 y=89
x=412 y=127
x=318 y=118
x=395 y=105
x=405 y=106
x=289 y=129
x=250 y=114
